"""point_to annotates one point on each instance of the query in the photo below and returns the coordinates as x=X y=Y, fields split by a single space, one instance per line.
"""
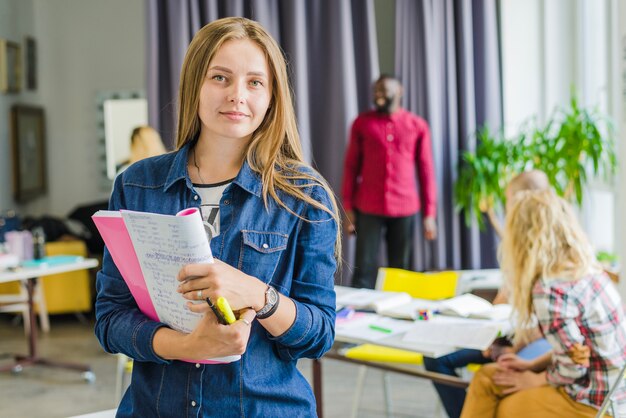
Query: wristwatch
x=271 y=303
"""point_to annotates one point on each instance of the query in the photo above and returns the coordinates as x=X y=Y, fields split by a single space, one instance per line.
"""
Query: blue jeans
x=452 y=397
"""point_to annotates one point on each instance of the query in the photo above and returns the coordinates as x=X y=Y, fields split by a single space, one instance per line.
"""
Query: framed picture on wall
x=10 y=66
x=29 y=152
x=31 y=63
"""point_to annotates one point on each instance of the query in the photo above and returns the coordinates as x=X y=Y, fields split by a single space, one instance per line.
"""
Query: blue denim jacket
x=298 y=261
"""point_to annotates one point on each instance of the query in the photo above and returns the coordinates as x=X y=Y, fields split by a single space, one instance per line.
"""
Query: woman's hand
x=201 y=281
x=211 y=339
x=513 y=381
x=511 y=361
x=580 y=354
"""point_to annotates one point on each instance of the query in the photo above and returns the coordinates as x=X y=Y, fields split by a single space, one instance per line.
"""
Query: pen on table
x=381 y=329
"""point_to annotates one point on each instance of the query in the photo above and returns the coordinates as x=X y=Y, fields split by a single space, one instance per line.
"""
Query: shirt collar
x=247 y=179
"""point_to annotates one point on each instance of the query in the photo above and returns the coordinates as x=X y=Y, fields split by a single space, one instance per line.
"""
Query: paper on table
x=164 y=244
x=467 y=334
x=497 y=312
x=372 y=299
x=465 y=305
x=368 y=327
x=410 y=310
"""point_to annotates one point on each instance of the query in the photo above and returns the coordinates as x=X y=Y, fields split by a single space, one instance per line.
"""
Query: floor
x=44 y=392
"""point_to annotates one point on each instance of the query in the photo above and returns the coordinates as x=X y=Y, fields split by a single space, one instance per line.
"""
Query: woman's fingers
x=192 y=271
x=247 y=316
x=198 y=307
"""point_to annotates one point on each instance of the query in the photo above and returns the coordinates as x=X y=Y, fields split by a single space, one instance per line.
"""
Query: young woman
x=554 y=280
x=275 y=237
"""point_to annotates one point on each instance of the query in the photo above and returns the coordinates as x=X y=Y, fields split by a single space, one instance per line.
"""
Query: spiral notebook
x=149 y=249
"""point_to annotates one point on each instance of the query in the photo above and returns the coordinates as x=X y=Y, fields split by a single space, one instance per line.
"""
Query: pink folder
x=119 y=244
x=115 y=235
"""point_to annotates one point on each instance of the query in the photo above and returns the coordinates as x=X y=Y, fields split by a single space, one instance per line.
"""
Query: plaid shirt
x=587 y=311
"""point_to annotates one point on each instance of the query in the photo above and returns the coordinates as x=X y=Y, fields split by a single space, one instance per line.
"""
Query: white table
x=31 y=274
x=469 y=280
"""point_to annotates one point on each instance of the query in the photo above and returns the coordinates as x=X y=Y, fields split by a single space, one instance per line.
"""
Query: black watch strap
x=271 y=303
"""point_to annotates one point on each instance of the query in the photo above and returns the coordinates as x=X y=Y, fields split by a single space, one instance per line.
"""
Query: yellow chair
x=431 y=286
x=67 y=292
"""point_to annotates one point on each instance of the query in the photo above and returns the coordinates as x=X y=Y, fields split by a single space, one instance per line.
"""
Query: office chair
x=431 y=286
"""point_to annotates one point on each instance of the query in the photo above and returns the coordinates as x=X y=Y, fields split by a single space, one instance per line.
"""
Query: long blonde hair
x=542 y=239
x=275 y=151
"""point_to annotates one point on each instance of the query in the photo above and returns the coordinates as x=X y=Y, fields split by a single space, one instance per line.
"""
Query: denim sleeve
x=313 y=331
x=120 y=326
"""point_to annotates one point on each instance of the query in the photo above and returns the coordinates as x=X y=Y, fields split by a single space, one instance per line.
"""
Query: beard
x=383 y=104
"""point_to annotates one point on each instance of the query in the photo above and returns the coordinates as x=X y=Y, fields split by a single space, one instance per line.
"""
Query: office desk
x=31 y=274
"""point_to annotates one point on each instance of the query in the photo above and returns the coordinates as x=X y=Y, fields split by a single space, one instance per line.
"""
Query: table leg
x=32 y=358
x=317 y=386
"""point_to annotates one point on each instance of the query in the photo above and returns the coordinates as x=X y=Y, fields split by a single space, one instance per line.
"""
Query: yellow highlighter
x=224 y=308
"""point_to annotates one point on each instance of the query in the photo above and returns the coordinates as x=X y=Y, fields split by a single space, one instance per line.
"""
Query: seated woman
x=553 y=275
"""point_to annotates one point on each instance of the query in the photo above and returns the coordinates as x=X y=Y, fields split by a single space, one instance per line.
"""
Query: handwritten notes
x=164 y=244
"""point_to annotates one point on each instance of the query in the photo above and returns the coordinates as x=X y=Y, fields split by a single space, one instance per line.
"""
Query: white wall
x=618 y=94
x=548 y=47
x=16 y=21
x=84 y=46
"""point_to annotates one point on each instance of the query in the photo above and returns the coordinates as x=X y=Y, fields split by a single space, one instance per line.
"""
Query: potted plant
x=573 y=146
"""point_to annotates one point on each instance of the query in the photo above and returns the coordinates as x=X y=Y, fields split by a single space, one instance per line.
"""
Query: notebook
x=149 y=249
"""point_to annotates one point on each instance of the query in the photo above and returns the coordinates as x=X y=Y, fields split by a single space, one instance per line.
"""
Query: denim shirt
x=293 y=255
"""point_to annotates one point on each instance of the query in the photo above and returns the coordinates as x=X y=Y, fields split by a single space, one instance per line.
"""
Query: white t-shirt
x=210 y=195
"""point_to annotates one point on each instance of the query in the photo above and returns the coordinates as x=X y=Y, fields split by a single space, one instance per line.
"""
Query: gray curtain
x=447 y=55
x=333 y=56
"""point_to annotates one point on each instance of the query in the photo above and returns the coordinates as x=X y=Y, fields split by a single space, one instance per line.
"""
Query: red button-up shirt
x=382 y=159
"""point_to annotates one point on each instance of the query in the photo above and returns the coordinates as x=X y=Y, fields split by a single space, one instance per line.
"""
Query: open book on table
x=149 y=249
x=472 y=306
x=392 y=304
x=457 y=332
x=401 y=305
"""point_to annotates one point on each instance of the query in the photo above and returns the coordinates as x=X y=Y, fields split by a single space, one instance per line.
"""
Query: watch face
x=272 y=296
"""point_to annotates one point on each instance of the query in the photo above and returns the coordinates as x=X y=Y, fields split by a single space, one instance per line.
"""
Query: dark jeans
x=451 y=397
x=399 y=239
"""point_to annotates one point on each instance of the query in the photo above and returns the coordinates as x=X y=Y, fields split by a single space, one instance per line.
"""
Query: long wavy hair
x=275 y=151
x=542 y=240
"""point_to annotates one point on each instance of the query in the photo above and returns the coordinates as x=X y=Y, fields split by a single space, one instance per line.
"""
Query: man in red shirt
x=388 y=147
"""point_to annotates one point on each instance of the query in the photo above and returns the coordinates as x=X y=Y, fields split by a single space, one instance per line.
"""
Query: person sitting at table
x=555 y=281
x=453 y=397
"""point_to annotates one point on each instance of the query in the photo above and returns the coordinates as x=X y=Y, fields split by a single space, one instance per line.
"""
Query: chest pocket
x=260 y=253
